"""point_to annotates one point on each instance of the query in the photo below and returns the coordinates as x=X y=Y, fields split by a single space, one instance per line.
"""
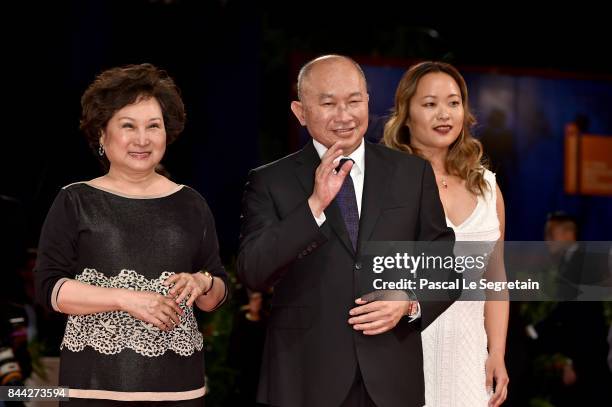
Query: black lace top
x=110 y=240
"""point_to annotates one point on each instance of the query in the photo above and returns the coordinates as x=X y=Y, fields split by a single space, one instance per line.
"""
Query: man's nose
x=342 y=114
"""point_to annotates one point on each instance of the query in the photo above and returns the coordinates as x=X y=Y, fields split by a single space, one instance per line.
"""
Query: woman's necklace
x=442 y=179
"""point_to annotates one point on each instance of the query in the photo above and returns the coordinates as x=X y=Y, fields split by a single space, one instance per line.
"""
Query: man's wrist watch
x=412 y=309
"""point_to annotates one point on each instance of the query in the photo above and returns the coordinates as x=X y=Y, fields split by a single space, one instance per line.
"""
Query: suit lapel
x=307 y=162
x=375 y=184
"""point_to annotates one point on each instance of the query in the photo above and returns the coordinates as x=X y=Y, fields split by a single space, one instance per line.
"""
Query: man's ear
x=298 y=110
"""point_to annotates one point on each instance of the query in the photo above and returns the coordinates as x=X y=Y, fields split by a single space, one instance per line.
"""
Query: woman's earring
x=101 y=150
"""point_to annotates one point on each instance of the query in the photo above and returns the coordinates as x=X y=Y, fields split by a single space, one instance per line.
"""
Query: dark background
x=235 y=62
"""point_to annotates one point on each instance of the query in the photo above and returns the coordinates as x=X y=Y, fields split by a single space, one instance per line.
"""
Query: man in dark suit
x=576 y=327
x=304 y=218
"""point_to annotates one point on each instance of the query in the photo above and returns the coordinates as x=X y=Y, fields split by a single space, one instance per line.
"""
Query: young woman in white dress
x=464 y=349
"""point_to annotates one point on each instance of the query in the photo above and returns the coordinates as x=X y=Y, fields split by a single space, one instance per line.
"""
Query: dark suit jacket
x=311 y=352
x=578 y=329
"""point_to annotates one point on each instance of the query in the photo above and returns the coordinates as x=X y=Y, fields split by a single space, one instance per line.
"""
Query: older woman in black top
x=128 y=254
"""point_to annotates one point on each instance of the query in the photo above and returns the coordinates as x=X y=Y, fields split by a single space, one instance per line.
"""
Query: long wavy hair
x=465 y=155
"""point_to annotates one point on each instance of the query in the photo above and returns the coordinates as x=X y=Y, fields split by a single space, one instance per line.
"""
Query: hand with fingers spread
x=495 y=369
x=328 y=180
x=153 y=308
x=377 y=317
x=188 y=286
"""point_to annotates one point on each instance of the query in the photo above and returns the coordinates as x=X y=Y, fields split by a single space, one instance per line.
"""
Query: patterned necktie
x=348 y=206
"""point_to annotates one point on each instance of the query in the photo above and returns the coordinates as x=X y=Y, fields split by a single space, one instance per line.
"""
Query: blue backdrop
x=521 y=122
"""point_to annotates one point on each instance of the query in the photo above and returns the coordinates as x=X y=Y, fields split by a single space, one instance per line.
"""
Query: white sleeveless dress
x=455 y=344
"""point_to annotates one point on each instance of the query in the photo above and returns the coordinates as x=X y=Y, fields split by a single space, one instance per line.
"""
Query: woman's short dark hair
x=116 y=88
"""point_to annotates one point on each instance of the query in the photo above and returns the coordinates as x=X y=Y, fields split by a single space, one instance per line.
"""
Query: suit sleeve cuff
x=416 y=315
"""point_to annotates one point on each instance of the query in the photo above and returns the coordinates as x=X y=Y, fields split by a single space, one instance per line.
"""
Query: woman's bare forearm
x=76 y=298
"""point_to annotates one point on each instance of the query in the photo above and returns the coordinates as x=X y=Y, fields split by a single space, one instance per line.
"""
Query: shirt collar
x=358 y=156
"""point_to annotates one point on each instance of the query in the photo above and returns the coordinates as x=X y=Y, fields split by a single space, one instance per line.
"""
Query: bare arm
x=497 y=312
x=214 y=298
x=76 y=298
x=496 y=319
